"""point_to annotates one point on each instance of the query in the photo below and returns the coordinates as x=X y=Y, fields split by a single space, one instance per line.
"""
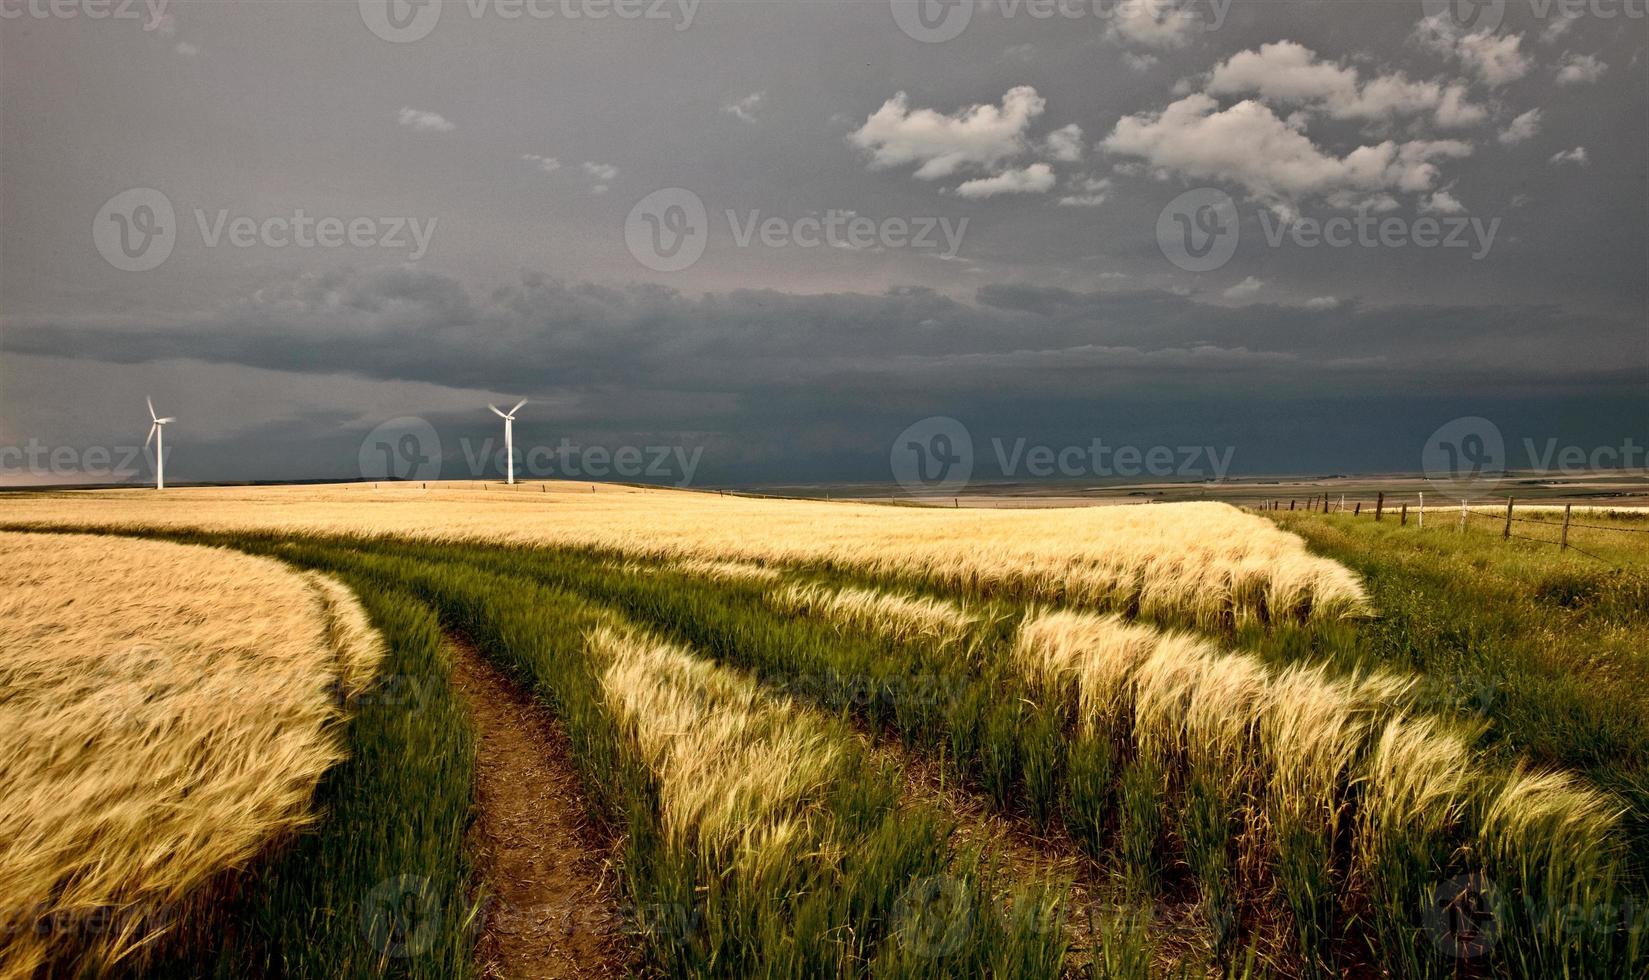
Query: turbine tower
x=157 y=435
x=509 y=436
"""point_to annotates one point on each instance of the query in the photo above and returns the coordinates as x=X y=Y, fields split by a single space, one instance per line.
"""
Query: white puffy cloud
x=940 y=144
x=1557 y=27
x=1244 y=289
x=1576 y=156
x=421 y=121
x=547 y=164
x=1140 y=61
x=1247 y=144
x=1160 y=24
x=1064 y=144
x=601 y=174
x=1089 y=192
x=1580 y=69
x=1522 y=128
x=1496 y=59
x=1038 y=178
x=1443 y=202
x=1287 y=73
x=1322 y=302
x=745 y=109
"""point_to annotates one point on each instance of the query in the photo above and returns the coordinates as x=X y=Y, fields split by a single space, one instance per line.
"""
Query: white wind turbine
x=509 y=435
x=157 y=435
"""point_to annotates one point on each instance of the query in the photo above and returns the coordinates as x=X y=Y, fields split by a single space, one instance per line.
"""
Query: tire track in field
x=1180 y=935
x=549 y=908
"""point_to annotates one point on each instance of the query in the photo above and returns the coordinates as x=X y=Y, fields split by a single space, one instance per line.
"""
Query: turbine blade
x=496 y=412
x=151 y=402
x=151 y=438
x=165 y=420
x=517 y=407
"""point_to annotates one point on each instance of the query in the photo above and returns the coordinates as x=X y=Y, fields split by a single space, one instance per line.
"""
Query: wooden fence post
x=1422 y=510
x=1291 y=505
x=1403 y=519
x=1359 y=509
x=1507 y=533
x=1379 y=505
x=1564 y=543
x=1462 y=515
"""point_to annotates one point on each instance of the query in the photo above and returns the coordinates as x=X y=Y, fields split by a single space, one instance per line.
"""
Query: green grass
x=379 y=888
x=1549 y=649
x=1546 y=650
x=840 y=904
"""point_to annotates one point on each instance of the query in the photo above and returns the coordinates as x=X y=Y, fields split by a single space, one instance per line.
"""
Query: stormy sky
x=777 y=236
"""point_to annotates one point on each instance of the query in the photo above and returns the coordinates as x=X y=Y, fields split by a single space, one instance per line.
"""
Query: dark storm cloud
x=405 y=324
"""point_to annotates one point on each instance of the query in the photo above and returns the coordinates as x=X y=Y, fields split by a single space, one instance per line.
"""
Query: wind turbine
x=157 y=435
x=509 y=435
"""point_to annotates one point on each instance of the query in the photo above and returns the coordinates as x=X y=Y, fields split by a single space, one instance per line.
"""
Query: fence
x=1503 y=519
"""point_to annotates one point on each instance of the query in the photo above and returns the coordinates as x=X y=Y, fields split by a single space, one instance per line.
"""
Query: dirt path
x=550 y=909
x=1177 y=929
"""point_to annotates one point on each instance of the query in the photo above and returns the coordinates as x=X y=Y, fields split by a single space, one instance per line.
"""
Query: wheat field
x=1198 y=563
x=1180 y=705
x=165 y=712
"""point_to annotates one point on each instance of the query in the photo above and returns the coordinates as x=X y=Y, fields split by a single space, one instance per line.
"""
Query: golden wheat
x=165 y=711
x=1206 y=563
x=738 y=773
x=900 y=617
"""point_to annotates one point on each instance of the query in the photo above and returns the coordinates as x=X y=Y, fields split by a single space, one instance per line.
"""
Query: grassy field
x=1322 y=745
